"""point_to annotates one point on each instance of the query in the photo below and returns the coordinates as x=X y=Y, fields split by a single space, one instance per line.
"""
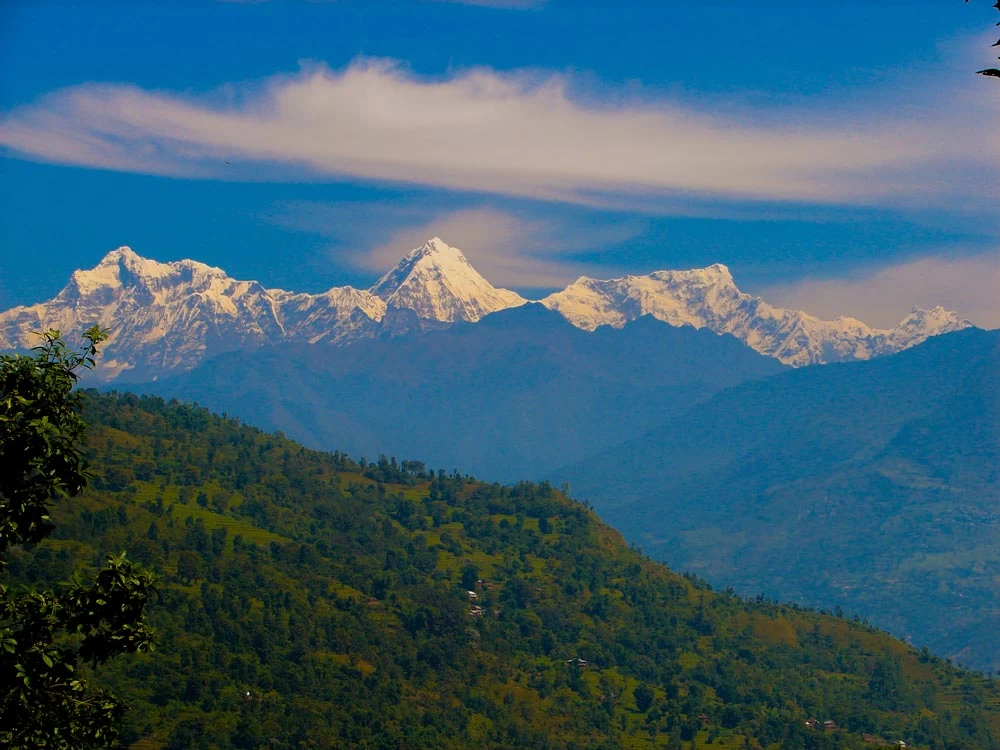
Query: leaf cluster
x=41 y=457
x=46 y=636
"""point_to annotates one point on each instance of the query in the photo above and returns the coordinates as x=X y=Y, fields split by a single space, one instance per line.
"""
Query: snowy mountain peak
x=709 y=298
x=432 y=255
x=126 y=258
x=936 y=315
x=719 y=272
x=675 y=297
x=715 y=275
x=921 y=323
x=930 y=322
x=119 y=254
x=124 y=268
x=171 y=316
x=114 y=270
x=437 y=245
x=437 y=282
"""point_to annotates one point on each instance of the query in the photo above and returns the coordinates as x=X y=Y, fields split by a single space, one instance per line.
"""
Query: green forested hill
x=309 y=601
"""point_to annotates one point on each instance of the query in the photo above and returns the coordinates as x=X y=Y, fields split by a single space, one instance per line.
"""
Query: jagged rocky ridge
x=708 y=297
x=168 y=317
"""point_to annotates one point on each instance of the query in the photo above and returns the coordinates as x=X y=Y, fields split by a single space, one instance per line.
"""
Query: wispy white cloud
x=970 y=285
x=508 y=248
x=525 y=134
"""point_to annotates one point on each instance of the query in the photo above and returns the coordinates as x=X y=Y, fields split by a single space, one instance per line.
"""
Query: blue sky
x=845 y=161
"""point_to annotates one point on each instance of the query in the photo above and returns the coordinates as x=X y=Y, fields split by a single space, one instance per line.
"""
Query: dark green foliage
x=331 y=608
x=992 y=72
x=41 y=458
x=45 y=637
x=644 y=696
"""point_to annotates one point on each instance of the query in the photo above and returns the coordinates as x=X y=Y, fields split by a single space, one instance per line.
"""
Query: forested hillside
x=310 y=601
x=873 y=486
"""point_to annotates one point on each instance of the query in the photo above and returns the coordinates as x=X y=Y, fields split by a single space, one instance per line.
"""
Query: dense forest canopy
x=309 y=600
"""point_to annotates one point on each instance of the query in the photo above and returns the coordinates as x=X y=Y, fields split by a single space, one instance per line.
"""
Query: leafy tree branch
x=46 y=636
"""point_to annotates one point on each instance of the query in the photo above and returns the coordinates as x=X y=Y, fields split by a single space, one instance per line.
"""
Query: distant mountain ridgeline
x=664 y=399
x=166 y=318
x=515 y=395
x=870 y=486
x=874 y=486
x=311 y=601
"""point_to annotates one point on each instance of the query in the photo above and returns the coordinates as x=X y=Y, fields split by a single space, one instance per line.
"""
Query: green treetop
x=45 y=636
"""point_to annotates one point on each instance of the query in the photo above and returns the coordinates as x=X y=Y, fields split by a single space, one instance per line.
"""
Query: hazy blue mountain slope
x=873 y=486
x=516 y=394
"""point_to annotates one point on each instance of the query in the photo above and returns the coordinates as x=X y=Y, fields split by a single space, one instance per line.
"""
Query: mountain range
x=168 y=317
x=873 y=486
x=518 y=394
x=671 y=401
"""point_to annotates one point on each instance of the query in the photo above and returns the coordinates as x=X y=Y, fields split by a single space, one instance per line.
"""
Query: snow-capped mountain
x=163 y=315
x=438 y=283
x=708 y=297
x=338 y=316
x=171 y=316
x=918 y=326
x=167 y=317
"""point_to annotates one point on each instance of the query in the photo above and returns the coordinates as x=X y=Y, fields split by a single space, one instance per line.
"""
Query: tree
x=644 y=696
x=993 y=72
x=470 y=576
x=45 y=636
x=189 y=566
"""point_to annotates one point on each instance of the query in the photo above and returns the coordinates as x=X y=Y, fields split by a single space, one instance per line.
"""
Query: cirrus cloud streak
x=522 y=134
x=516 y=249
